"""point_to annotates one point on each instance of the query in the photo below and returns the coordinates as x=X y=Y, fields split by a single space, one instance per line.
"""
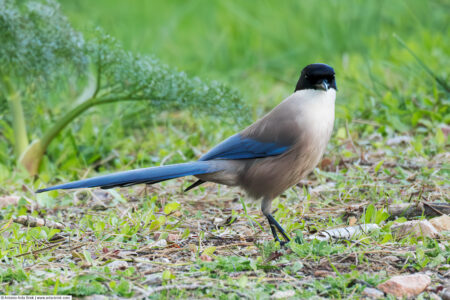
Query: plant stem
x=32 y=157
x=19 y=126
x=18 y=117
x=68 y=117
x=63 y=121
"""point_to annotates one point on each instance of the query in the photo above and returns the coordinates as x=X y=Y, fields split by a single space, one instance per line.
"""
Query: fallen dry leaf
x=352 y=221
x=173 y=237
x=416 y=228
x=441 y=223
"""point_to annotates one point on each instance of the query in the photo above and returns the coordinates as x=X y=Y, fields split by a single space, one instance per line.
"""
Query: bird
x=265 y=159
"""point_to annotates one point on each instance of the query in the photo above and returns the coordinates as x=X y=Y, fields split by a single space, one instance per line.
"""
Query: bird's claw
x=274 y=227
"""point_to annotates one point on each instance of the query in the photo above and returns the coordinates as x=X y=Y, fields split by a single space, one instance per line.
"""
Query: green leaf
x=124 y=288
x=209 y=251
x=341 y=133
x=185 y=233
x=381 y=216
x=167 y=275
x=162 y=220
x=112 y=285
x=10 y=275
x=370 y=214
x=378 y=166
x=171 y=207
x=83 y=288
x=88 y=258
x=163 y=236
x=387 y=238
x=155 y=225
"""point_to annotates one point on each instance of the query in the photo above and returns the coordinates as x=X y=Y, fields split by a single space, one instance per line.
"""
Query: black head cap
x=316 y=77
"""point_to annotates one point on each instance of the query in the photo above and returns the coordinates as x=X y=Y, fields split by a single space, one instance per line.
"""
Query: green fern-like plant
x=41 y=52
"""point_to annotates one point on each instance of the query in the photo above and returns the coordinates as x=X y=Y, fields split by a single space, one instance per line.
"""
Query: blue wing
x=238 y=147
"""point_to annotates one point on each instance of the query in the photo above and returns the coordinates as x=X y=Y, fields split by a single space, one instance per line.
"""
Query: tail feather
x=146 y=175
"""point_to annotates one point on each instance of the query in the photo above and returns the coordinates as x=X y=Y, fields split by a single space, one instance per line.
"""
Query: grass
x=190 y=250
x=186 y=251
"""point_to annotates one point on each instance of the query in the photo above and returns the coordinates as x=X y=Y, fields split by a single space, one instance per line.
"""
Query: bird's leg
x=273 y=229
x=274 y=225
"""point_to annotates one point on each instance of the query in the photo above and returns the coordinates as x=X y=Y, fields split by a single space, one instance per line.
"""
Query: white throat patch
x=317 y=107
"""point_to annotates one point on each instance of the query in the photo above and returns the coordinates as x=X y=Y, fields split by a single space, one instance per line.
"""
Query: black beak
x=324 y=85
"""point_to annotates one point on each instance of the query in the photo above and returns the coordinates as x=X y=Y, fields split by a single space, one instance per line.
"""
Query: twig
x=38 y=251
x=409 y=210
x=235 y=245
x=76 y=247
x=343 y=233
x=38 y=222
x=445 y=207
x=105 y=160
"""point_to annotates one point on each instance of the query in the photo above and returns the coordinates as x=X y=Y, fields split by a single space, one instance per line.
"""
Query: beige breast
x=308 y=116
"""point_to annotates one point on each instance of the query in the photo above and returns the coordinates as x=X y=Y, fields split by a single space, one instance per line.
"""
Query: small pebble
x=372 y=293
x=117 y=265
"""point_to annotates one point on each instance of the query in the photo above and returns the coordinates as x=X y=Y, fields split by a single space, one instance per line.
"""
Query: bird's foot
x=274 y=227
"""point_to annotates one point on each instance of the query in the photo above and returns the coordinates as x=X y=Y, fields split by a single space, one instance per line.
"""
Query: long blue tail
x=147 y=175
